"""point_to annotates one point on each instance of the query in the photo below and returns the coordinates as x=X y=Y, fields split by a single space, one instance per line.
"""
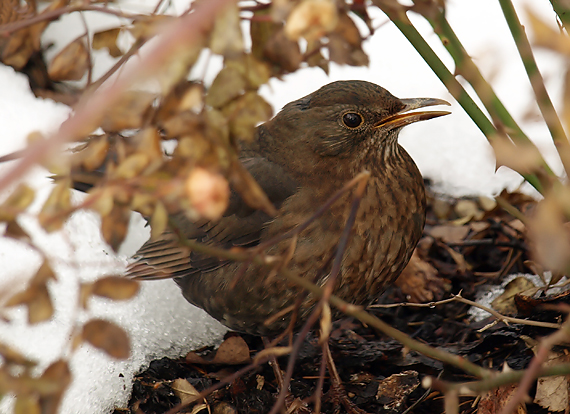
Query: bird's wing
x=168 y=257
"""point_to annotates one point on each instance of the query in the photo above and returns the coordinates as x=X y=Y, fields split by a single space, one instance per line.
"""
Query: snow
x=450 y=150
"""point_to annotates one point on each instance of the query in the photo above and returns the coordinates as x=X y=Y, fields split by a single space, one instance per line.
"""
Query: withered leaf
x=129 y=112
x=270 y=43
x=345 y=43
x=17 y=202
x=27 y=404
x=107 y=337
x=311 y=19
x=184 y=390
x=13 y=356
x=56 y=208
x=71 y=63
x=245 y=114
x=94 y=153
x=148 y=142
x=115 y=287
x=228 y=85
x=108 y=39
x=314 y=56
x=114 y=226
x=226 y=37
x=36 y=298
x=505 y=303
x=254 y=71
x=232 y=351
x=57 y=378
x=132 y=166
x=178 y=64
x=17 y=49
x=248 y=188
x=158 y=221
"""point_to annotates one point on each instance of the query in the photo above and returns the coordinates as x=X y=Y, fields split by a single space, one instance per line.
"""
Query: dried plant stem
x=542 y=99
x=382 y=326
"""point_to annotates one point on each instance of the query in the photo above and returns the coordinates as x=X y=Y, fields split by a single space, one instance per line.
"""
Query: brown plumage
x=300 y=158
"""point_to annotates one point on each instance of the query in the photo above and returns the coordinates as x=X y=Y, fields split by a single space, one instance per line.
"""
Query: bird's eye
x=352 y=120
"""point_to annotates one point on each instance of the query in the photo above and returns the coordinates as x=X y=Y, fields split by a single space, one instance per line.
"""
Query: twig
x=506 y=319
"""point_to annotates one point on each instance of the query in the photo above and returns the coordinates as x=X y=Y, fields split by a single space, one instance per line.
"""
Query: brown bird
x=300 y=158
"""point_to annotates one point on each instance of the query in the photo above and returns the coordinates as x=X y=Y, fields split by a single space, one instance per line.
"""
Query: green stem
x=543 y=100
x=401 y=21
x=562 y=9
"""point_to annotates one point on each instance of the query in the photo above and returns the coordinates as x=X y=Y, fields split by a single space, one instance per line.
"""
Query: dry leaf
x=114 y=226
x=129 y=112
x=552 y=393
x=107 y=337
x=54 y=211
x=226 y=37
x=420 y=282
x=494 y=401
x=311 y=19
x=17 y=202
x=107 y=39
x=185 y=391
x=245 y=114
x=394 y=390
x=505 y=303
x=71 y=63
x=345 y=43
x=115 y=287
x=228 y=85
x=233 y=351
x=27 y=404
x=36 y=296
x=158 y=221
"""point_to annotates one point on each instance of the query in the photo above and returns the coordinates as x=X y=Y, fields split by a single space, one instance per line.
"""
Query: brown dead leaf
x=494 y=401
x=226 y=37
x=449 y=233
x=185 y=391
x=17 y=202
x=228 y=85
x=107 y=39
x=249 y=189
x=114 y=226
x=107 y=337
x=27 y=404
x=345 y=43
x=420 y=282
x=54 y=211
x=129 y=112
x=553 y=393
x=311 y=19
x=505 y=303
x=36 y=296
x=71 y=63
x=523 y=158
x=115 y=287
x=233 y=351
x=394 y=390
x=245 y=113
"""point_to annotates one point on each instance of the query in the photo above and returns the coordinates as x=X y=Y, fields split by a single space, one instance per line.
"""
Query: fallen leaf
x=107 y=337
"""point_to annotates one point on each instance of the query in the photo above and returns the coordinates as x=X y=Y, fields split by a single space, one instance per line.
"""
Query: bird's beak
x=404 y=117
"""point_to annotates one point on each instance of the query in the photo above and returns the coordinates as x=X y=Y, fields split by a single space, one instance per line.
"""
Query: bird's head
x=342 y=124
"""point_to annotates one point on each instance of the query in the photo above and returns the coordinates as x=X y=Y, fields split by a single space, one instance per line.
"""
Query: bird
x=300 y=157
